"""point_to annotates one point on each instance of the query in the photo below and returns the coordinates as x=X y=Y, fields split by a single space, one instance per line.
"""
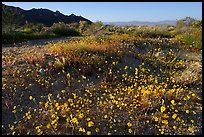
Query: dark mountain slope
x=44 y=16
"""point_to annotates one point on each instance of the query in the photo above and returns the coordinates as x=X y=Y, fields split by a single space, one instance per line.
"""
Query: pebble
x=42 y=71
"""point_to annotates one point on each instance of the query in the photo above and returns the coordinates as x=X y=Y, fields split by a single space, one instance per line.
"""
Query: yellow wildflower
x=82 y=129
x=187 y=111
x=162 y=109
x=156 y=119
x=174 y=116
x=48 y=126
x=14 y=111
x=130 y=130
x=74 y=95
x=129 y=124
x=12 y=127
x=83 y=77
x=166 y=116
x=81 y=115
x=46 y=105
x=191 y=128
x=90 y=124
x=75 y=120
x=173 y=102
x=97 y=129
x=88 y=119
x=174 y=127
x=30 y=97
x=165 y=122
x=88 y=133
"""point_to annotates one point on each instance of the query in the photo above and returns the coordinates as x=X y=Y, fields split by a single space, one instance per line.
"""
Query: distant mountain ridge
x=44 y=16
x=120 y=23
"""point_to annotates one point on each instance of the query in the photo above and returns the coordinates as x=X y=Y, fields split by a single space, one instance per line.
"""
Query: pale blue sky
x=120 y=11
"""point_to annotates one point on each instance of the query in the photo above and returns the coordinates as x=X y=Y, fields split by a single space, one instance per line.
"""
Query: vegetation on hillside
x=116 y=80
x=103 y=85
x=38 y=31
x=187 y=31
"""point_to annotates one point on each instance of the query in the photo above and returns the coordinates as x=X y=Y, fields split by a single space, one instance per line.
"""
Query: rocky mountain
x=44 y=16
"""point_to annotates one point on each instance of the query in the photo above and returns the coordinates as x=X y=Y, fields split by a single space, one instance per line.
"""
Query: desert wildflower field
x=115 y=84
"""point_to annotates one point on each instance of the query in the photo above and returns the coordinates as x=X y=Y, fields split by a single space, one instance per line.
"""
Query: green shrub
x=191 y=39
x=65 y=32
x=38 y=32
x=11 y=37
x=63 y=29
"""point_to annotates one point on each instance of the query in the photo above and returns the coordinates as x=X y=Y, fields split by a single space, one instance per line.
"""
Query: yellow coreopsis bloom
x=30 y=97
x=82 y=129
x=97 y=130
x=130 y=130
x=156 y=119
x=173 y=102
x=81 y=115
x=90 y=123
x=174 y=116
x=165 y=122
x=174 y=127
x=48 y=126
x=88 y=133
x=129 y=124
x=75 y=120
x=83 y=77
x=162 y=109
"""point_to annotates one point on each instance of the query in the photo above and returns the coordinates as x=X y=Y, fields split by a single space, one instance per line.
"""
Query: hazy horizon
x=120 y=11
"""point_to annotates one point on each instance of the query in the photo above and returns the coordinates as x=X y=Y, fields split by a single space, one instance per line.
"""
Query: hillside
x=44 y=16
x=140 y=23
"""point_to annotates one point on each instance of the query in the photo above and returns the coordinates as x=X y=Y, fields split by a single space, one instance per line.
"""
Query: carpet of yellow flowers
x=113 y=85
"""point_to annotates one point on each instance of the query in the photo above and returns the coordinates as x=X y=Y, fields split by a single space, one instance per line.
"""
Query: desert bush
x=32 y=27
x=82 y=26
x=189 y=33
x=186 y=22
x=15 y=36
x=94 y=28
x=66 y=32
x=38 y=31
x=191 y=39
x=63 y=29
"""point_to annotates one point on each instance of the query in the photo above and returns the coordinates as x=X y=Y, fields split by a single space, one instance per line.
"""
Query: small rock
x=3 y=66
x=42 y=72
x=22 y=61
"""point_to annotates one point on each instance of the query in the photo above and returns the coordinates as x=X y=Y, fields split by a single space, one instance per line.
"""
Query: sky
x=120 y=11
